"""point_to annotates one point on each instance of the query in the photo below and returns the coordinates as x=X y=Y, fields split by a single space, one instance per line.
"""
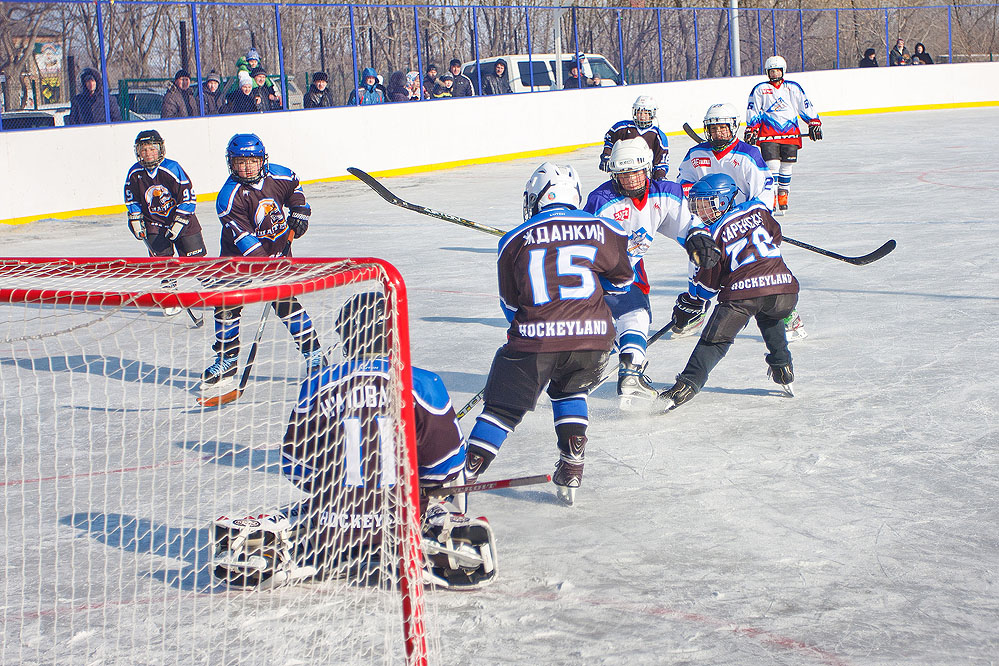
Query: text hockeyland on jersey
x=557 y=329
x=762 y=281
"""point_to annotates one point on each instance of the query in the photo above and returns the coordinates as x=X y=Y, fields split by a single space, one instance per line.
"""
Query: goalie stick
x=444 y=491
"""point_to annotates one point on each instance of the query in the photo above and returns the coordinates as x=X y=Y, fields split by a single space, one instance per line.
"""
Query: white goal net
x=115 y=477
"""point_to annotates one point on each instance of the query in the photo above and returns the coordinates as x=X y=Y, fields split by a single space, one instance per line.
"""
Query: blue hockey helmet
x=243 y=146
x=712 y=196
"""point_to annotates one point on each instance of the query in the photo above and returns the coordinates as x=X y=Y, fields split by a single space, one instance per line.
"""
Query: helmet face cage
x=647 y=105
x=721 y=114
x=711 y=197
x=361 y=326
x=151 y=138
x=551 y=184
x=243 y=146
x=627 y=157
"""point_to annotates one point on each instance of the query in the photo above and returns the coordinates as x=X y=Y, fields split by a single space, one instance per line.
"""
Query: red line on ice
x=104 y=472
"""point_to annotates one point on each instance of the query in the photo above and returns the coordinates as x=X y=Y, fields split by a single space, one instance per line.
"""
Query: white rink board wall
x=49 y=172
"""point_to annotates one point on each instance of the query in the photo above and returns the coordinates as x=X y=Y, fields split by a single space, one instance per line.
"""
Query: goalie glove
x=752 y=135
x=702 y=248
x=257 y=552
x=815 y=130
x=298 y=221
x=173 y=233
x=137 y=226
x=688 y=312
x=460 y=551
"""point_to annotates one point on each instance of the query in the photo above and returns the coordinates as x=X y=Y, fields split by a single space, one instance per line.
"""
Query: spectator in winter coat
x=210 y=89
x=88 y=105
x=920 y=56
x=370 y=91
x=574 y=81
x=899 y=55
x=243 y=99
x=870 y=58
x=179 y=101
x=414 y=85
x=462 y=84
x=319 y=95
x=442 y=89
x=498 y=81
x=398 y=87
x=266 y=89
x=429 y=81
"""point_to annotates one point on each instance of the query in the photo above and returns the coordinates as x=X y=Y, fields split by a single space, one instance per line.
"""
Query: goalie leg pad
x=257 y=552
x=460 y=551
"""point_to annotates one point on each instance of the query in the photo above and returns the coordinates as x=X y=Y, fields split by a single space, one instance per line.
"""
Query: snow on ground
x=852 y=524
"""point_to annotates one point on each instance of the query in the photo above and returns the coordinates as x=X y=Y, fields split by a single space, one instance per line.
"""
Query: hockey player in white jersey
x=723 y=152
x=772 y=122
x=643 y=207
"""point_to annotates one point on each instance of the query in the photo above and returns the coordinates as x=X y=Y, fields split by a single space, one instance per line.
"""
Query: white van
x=519 y=67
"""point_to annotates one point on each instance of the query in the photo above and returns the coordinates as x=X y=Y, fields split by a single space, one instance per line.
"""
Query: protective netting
x=114 y=474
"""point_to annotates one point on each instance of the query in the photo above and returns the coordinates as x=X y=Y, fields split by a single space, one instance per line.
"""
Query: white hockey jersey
x=774 y=111
x=741 y=161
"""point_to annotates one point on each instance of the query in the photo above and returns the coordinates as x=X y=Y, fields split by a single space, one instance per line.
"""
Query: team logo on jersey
x=622 y=215
x=639 y=242
x=159 y=201
x=269 y=219
x=702 y=162
x=778 y=106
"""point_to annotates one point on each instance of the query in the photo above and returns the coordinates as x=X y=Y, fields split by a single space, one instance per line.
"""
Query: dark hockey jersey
x=340 y=448
x=751 y=263
x=655 y=137
x=253 y=216
x=163 y=195
x=553 y=272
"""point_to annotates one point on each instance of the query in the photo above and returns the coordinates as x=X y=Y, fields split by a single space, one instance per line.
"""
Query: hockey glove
x=175 y=229
x=752 y=135
x=702 y=248
x=298 y=221
x=137 y=226
x=688 y=311
x=605 y=163
x=659 y=174
x=815 y=132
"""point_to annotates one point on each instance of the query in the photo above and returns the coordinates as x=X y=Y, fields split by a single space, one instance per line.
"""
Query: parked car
x=16 y=120
x=143 y=104
x=520 y=67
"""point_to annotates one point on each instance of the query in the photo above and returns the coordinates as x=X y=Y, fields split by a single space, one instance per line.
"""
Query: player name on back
x=552 y=329
x=737 y=227
x=565 y=232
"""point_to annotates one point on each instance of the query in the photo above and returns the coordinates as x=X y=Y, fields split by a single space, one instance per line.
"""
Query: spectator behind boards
x=179 y=101
x=870 y=58
x=462 y=84
x=899 y=55
x=398 y=87
x=574 y=80
x=370 y=91
x=442 y=89
x=497 y=82
x=270 y=95
x=920 y=56
x=212 y=94
x=88 y=104
x=243 y=99
x=319 y=95
x=429 y=80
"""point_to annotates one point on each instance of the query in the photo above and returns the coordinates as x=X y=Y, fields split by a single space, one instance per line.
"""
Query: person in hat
x=211 y=89
x=319 y=95
x=442 y=89
x=270 y=94
x=429 y=80
x=462 y=84
x=243 y=99
x=88 y=105
x=179 y=101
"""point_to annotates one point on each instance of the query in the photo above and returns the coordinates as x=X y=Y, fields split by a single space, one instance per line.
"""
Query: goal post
x=114 y=475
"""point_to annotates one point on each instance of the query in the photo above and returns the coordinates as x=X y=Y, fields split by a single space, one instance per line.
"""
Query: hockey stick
x=692 y=134
x=862 y=260
x=384 y=193
x=231 y=396
x=444 y=491
x=198 y=321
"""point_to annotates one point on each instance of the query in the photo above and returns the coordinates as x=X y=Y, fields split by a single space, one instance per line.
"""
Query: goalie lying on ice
x=339 y=449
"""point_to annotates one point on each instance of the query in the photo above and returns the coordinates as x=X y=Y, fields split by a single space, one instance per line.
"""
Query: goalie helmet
x=460 y=551
x=775 y=62
x=246 y=149
x=721 y=114
x=647 y=107
x=150 y=137
x=550 y=185
x=630 y=164
x=361 y=325
x=712 y=196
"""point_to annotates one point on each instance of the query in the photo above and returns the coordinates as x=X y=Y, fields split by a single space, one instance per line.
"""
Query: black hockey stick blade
x=199 y=321
x=444 y=491
x=384 y=193
x=692 y=134
x=862 y=260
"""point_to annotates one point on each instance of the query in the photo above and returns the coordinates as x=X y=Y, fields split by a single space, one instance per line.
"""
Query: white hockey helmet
x=721 y=114
x=628 y=156
x=551 y=184
x=648 y=104
x=775 y=62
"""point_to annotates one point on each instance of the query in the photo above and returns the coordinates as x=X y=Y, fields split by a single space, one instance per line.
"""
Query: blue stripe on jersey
x=430 y=391
x=280 y=172
x=247 y=243
x=223 y=202
x=320 y=379
x=175 y=170
x=441 y=470
x=295 y=469
x=510 y=313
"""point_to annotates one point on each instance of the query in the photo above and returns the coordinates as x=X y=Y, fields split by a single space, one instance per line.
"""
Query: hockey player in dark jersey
x=339 y=449
x=160 y=202
x=642 y=125
x=750 y=280
x=553 y=273
x=251 y=207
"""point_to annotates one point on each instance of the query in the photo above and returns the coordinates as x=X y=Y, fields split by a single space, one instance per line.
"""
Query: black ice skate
x=569 y=470
x=635 y=391
x=783 y=375
x=219 y=377
x=677 y=394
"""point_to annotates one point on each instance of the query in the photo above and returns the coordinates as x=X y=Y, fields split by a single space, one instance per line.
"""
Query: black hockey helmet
x=153 y=137
x=361 y=325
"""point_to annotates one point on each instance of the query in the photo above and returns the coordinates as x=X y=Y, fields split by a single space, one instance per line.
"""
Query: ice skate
x=784 y=376
x=569 y=470
x=635 y=391
x=676 y=395
x=220 y=377
x=794 y=329
x=781 y=201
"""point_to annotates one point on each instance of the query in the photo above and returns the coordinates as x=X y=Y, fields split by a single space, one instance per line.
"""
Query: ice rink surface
x=855 y=523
